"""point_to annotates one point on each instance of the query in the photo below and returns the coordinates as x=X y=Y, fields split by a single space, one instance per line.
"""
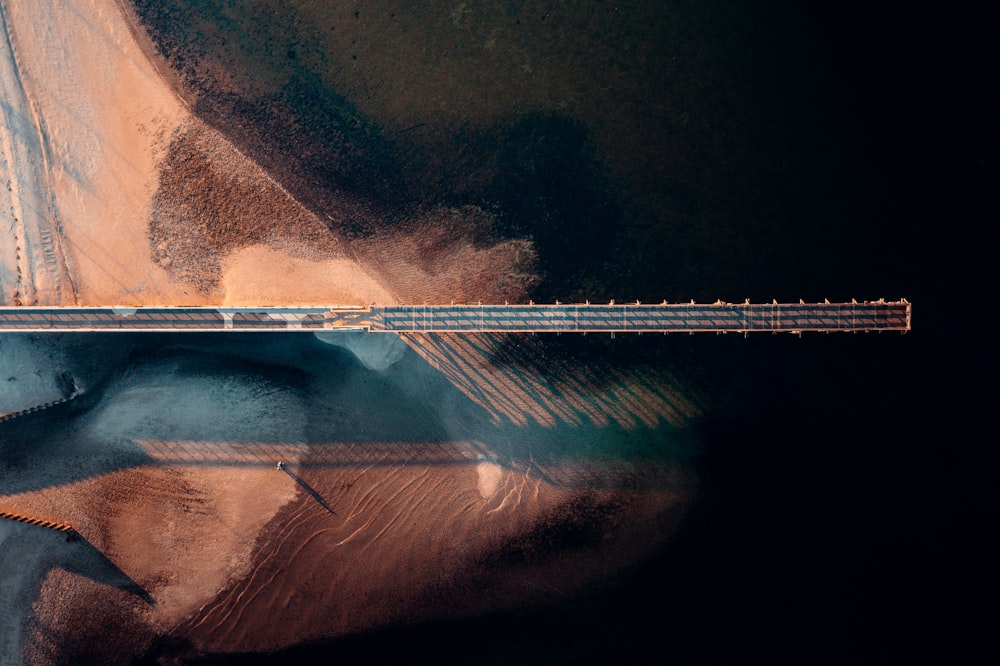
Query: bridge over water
x=718 y=317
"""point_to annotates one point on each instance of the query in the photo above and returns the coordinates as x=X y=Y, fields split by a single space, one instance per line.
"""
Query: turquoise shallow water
x=678 y=151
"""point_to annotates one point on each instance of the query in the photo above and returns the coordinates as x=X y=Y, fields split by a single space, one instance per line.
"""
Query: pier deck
x=716 y=317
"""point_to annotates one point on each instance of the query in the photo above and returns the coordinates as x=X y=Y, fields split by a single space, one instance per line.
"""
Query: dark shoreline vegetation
x=841 y=517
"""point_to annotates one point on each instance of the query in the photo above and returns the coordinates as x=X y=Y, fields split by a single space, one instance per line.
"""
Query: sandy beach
x=408 y=476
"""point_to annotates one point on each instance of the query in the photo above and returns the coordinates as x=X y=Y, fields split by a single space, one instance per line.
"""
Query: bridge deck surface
x=644 y=318
x=584 y=318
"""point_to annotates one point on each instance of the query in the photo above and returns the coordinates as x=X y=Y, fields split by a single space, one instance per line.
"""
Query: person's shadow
x=283 y=466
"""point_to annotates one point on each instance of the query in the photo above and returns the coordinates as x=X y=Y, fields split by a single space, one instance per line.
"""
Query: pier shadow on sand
x=82 y=558
x=69 y=551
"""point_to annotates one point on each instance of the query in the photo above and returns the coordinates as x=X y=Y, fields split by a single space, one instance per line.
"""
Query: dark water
x=691 y=150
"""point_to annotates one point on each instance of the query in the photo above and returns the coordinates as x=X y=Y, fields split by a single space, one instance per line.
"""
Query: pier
x=718 y=317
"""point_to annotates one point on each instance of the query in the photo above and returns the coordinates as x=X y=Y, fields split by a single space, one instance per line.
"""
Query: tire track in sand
x=34 y=245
